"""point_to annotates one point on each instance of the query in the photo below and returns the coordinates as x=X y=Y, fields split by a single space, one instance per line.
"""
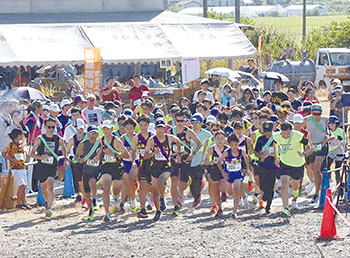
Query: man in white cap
x=54 y=111
x=64 y=117
x=71 y=129
x=92 y=113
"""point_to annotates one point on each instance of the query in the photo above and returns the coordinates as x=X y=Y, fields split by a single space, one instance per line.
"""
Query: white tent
x=42 y=44
x=131 y=42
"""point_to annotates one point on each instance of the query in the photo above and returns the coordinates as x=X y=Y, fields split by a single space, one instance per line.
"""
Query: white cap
x=146 y=94
x=107 y=123
x=336 y=81
x=46 y=107
x=298 y=119
x=211 y=119
x=91 y=96
x=80 y=123
x=152 y=128
x=65 y=102
x=54 y=108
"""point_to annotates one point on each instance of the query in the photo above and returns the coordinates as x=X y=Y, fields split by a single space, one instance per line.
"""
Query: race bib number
x=110 y=159
x=160 y=157
x=93 y=163
x=142 y=152
x=137 y=102
x=19 y=156
x=270 y=150
x=234 y=166
x=285 y=147
x=48 y=161
x=317 y=147
x=182 y=149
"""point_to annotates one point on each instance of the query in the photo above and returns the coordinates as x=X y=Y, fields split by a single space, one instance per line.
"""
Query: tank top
x=77 y=142
x=185 y=151
x=233 y=164
x=317 y=135
x=108 y=157
x=53 y=143
x=243 y=143
x=90 y=165
x=141 y=144
x=127 y=145
x=160 y=157
x=216 y=156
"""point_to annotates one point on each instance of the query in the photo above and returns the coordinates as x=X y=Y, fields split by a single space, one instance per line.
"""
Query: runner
x=289 y=152
x=232 y=164
x=88 y=154
x=181 y=170
x=112 y=152
x=159 y=149
x=45 y=150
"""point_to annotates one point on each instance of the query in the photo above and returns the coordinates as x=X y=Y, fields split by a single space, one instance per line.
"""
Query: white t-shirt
x=69 y=132
x=209 y=95
x=94 y=116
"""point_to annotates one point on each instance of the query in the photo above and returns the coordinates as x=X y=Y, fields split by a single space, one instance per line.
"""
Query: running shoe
x=315 y=199
x=196 y=202
x=250 y=186
x=267 y=209
x=223 y=197
x=294 y=205
x=157 y=216
x=214 y=208
x=219 y=213
x=176 y=211
x=255 y=199
x=181 y=200
x=202 y=184
x=234 y=215
x=261 y=204
x=91 y=215
x=149 y=207
x=162 y=204
x=133 y=206
x=121 y=208
x=286 y=212
x=27 y=206
x=107 y=217
x=48 y=213
x=142 y=214
x=309 y=188
x=296 y=193
x=78 y=198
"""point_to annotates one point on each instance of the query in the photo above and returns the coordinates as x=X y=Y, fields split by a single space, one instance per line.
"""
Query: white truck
x=332 y=63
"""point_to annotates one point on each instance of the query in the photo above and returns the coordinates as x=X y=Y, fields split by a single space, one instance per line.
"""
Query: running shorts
x=294 y=172
x=86 y=178
x=233 y=176
x=159 y=167
x=113 y=169
x=181 y=170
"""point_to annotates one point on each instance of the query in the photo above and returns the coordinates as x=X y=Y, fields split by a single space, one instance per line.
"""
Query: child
x=14 y=152
x=231 y=165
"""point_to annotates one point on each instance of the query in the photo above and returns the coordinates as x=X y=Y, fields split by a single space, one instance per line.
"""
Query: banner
x=190 y=69
x=92 y=69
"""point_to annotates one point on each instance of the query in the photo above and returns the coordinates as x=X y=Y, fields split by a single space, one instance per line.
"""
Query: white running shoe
x=309 y=188
x=295 y=205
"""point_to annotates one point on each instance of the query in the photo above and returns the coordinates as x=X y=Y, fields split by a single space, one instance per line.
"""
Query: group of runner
x=243 y=146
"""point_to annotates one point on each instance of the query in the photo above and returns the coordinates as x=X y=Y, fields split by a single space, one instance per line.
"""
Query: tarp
x=131 y=42
x=42 y=45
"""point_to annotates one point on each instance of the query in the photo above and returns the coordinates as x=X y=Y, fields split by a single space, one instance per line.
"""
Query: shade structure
x=22 y=93
x=41 y=44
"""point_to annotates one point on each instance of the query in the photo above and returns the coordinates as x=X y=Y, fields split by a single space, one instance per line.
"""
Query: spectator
x=92 y=113
x=109 y=93
x=136 y=91
x=204 y=87
x=65 y=104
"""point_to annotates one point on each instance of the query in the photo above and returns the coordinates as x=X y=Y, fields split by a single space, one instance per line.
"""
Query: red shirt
x=136 y=93
x=113 y=96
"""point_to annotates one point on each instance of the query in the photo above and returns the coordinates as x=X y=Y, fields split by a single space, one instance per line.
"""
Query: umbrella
x=274 y=76
x=252 y=81
x=21 y=93
x=224 y=72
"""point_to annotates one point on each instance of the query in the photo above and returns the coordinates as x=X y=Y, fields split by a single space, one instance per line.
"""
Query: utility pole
x=205 y=8
x=304 y=23
x=237 y=11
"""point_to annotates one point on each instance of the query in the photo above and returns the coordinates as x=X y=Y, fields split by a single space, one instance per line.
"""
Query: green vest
x=289 y=154
x=257 y=134
x=333 y=145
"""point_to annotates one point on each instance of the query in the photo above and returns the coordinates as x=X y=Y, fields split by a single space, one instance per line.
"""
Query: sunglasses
x=285 y=106
x=51 y=127
x=255 y=118
x=316 y=114
x=180 y=121
x=215 y=129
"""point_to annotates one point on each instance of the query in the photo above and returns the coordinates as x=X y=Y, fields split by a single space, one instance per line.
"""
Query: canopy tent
x=131 y=42
x=42 y=45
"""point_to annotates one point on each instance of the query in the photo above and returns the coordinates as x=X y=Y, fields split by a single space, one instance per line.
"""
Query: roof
x=308 y=7
x=335 y=50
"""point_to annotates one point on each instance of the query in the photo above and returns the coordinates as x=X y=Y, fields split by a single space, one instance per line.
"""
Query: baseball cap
x=267 y=92
x=110 y=105
x=92 y=129
x=91 y=96
x=197 y=117
x=286 y=103
x=333 y=120
x=107 y=115
x=211 y=119
x=256 y=90
x=107 y=123
x=79 y=98
x=146 y=94
x=185 y=99
x=80 y=123
x=273 y=118
x=160 y=123
x=268 y=126
x=214 y=112
x=46 y=107
x=336 y=81
x=298 y=119
x=128 y=112
x=338 y=88
x=65 y=102
x=54 y=108
x=205 y=81
x=201 y=92
x=316 y=107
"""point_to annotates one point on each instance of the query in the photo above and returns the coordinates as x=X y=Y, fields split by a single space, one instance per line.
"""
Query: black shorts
x=43 y=172
x=215 y=173
x=181 y=170
x=145 y=172
x=294 y=172
x=323 y=152
x=77 y=171
x=86 y=178
x=159 y=167
x=113 y=169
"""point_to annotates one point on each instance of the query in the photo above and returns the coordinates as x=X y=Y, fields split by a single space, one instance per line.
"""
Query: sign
x=165 y=63
x=92 y=69
x=190 y=69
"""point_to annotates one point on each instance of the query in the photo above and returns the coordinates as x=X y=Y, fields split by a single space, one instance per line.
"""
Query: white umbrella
x=252 y=81
x=274 y=76
x=23 y=93
x=223 y=71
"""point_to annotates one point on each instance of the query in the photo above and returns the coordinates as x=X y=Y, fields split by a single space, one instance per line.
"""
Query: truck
x=330 y=63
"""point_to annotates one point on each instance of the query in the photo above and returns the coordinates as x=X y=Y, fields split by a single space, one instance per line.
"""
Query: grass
x=293 y=24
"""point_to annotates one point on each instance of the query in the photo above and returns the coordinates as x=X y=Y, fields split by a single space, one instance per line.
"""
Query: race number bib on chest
x=234 y=165
x=93 y=163
x=160 y=157
x=19 y=156
x=142 y=152
x=48 y=161
x=137 y=102
x=182 y=149
x=109 y=159
x=270 y=150
x=317 y=147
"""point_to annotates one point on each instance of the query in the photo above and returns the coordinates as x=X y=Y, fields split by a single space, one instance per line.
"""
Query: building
x=316 y=9
x=80 y=6
x=186 y=4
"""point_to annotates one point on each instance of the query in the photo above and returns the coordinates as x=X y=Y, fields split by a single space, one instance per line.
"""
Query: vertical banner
x=92 y=69
x=190 y=69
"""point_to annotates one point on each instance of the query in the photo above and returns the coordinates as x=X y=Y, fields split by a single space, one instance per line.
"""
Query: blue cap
x=128 y=112
x=316 y=107
x=333 y=120
x=92 y=129
x=214 y=112
x=273 y=118
x=160 y=122
x=268 y=126
x=228 y=130
x=197 y=117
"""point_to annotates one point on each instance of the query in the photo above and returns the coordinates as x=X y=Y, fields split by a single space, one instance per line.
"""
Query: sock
x=295 y=193
x=94 y=201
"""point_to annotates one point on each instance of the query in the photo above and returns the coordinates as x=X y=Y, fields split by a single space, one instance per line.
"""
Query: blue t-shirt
x=203 y=135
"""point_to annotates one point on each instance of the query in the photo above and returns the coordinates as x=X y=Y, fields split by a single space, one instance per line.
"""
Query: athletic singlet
x=141 y=144
x=53 y=143
x=91 y=166
x=317 y=135
x=127 y=145
x=108 y=156
x=233 y=164
x=184 y=150
x=257 y=134
x=160 y=157
x=243 y=143
x=77 y=142
x=216 y=155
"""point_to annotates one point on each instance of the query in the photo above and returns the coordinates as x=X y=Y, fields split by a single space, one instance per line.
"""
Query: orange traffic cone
x=328 y=229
